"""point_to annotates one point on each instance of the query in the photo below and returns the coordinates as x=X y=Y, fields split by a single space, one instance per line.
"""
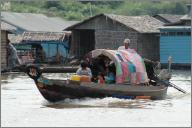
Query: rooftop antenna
x=90 y=9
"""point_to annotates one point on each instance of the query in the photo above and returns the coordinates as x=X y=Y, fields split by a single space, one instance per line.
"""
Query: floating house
x=43 y=47
x=34 y=22
x=175 y=41
x=35 y=31
x=5 y=30
x=109 y=31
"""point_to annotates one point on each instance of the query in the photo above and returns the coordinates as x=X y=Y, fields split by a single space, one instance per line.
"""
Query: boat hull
x=56 y=90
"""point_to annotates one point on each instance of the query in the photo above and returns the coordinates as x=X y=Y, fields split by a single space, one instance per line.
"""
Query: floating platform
x=177 y=66
x=58 y=69
x=46 y=69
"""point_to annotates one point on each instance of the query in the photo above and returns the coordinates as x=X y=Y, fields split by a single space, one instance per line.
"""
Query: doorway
x=87 y=41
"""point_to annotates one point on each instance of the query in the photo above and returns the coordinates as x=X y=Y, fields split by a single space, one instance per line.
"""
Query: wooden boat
x=55 y=90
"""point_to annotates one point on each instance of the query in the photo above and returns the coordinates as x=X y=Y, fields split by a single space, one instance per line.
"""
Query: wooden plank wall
x=148 y=46
x=4 y=37
x=111 y=34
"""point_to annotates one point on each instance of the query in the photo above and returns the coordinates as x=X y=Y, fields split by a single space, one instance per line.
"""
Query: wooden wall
x=113 y=39
x=148 y=46
x=111 y=34
x=4 y=37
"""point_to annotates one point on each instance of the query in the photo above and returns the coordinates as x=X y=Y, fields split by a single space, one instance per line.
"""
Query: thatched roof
x=181 y=22
x=168 y=18
x=142 y=24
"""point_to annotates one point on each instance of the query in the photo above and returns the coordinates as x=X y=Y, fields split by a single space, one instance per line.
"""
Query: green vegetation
x=74 y=10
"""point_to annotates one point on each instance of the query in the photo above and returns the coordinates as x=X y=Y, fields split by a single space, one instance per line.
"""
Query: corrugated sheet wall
x=178 y=47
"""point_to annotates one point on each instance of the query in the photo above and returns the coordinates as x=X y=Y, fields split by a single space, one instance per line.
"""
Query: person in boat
x=97 y=66
x=126 y=46
x=100 y=78
x=40 y=55
x=94 y=69
x=101 y=64
x=110 y=74
x=136 y=73
x=84 y=69
x=13 y=59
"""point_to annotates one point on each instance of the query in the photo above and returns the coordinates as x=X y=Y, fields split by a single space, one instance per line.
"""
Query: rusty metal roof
x=142 y=24
x=39 y=36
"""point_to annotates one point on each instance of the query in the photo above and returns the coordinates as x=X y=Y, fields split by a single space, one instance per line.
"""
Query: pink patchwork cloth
x=130 y=66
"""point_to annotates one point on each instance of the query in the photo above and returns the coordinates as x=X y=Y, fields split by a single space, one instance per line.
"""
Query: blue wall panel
x=179 y=47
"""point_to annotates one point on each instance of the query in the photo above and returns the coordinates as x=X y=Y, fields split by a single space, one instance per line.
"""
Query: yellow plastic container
x=75 y=78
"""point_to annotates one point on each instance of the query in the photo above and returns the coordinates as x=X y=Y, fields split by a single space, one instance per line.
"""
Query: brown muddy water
x=23 y=106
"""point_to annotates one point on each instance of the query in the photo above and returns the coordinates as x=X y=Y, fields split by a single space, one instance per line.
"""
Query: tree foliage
x=75 y=10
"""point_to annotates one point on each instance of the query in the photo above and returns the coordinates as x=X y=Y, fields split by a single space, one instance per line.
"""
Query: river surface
x=23 y=106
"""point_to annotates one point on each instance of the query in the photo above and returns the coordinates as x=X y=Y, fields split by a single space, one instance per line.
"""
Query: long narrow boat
x=55 y=90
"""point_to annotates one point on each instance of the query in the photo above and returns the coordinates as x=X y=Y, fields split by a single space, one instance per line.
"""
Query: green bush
x=74 y=10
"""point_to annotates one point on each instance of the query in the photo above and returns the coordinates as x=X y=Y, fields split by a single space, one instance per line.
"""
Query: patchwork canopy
x=130 y=66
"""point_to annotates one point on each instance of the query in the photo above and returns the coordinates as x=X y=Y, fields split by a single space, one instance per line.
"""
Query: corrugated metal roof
x=35 y=22
x=7 y=27
x=176 y=27
x=142 y=24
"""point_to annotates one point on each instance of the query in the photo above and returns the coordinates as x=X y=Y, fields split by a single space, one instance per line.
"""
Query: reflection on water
x=8 y=77
x=20 y=96
x=180 y=78
x=108 y=102
x=99 y=103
